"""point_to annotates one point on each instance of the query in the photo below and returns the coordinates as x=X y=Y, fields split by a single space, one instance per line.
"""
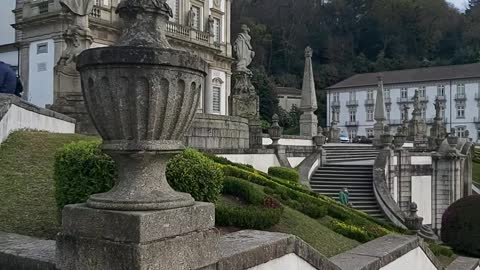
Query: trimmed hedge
x=461 y=225
x=81 y=170
x=351 y=231
x=194 y=173
x=284 y=173
x=262 y=213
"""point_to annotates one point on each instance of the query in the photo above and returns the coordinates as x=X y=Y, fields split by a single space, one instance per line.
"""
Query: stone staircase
x=341 y=153
x=330 y=179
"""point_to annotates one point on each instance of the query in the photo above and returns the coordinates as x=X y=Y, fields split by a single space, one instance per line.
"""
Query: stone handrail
x=476 y=188
x=388 y=205
x=185 y=32
x=308 y=166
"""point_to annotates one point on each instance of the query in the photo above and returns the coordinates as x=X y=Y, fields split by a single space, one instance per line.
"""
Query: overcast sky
x=461 y=4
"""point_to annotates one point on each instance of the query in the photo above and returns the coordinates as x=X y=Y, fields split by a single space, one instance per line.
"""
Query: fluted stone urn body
x=142 y=101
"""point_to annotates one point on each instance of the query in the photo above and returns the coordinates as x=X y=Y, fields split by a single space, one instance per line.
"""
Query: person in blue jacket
x=8 y=79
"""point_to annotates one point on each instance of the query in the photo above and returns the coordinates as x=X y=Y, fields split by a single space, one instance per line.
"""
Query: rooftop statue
x=243 y=49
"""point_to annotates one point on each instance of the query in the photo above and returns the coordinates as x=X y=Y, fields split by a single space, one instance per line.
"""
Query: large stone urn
x=142 y=100
x=142 y=96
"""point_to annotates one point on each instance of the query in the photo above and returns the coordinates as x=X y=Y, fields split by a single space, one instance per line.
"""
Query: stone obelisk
x=308 y=105
x=380 y=118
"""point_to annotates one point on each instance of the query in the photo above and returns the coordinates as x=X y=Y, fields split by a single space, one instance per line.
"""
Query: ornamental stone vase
x=142 y=97
x=275 y=131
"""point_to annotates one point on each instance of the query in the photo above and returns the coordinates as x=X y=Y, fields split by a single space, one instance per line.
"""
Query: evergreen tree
x=473 y=3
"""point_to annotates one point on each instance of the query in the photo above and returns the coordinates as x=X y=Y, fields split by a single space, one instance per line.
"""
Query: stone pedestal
x=68 y=98
x=308 y=124
x=175 y=239
x=255 y=134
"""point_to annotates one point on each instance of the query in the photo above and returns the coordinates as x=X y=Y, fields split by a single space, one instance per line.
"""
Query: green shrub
x=194 y=173
x=284 y=173
x=460 y=225
x=351 y=231
x=440 y=250
x=81 y=170
x=263 y=211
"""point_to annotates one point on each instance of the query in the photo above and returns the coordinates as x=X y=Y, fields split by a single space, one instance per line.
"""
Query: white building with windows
x=35 y=43
x=457 y=87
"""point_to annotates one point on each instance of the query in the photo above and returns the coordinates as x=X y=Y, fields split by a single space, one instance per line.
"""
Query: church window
x=218 y=29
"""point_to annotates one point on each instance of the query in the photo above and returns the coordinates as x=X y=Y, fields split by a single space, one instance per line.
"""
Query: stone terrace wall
x=17 y=114
x=218 y=132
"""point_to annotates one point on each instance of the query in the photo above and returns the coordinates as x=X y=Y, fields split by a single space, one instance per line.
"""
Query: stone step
x=353 y=153
x=344 y=175
x=348 y=182
x=343 y=160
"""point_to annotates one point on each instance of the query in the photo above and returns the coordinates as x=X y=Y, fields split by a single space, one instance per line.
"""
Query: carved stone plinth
x=176 y=239
x=68 y=98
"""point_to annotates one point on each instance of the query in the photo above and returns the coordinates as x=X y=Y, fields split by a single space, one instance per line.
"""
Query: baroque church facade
x=36 y=42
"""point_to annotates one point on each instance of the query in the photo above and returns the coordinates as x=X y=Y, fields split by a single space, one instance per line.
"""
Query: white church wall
x=296 y=142
x=414 y=260
x=294 y=161
x=41 y=64
x=422 y=196
x=287 y=262
x=18 y=118
x=260 y=162
x=421 y=160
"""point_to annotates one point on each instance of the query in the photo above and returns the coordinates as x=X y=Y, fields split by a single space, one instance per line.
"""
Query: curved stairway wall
x=17 y=114
x=388 y=205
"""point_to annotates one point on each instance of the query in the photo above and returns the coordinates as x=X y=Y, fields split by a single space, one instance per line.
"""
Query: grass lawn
x=26 y=182
x=476 y=172
x=326 y=241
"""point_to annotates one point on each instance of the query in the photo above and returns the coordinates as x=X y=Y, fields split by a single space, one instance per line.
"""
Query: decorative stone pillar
x=308 y=105
x=142 y=96
x=380 y=118
x=319 y=139
x=208 y=98
x=334 y=131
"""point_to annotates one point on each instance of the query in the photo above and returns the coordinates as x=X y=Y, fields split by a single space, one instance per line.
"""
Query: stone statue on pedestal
x=191 y=18
x=80 y=9
x=438 y=132
x=210 y=25
x=417 y=128
x=245 y=101
x=244 y=50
